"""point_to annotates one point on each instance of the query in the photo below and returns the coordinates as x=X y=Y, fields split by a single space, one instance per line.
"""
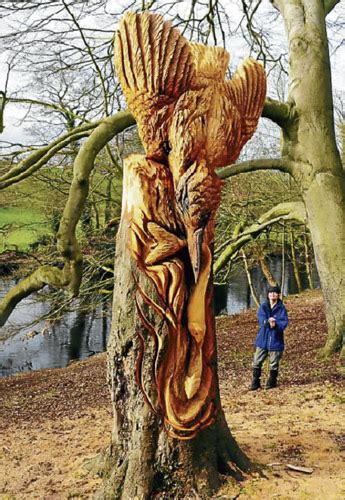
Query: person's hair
x=274 y=288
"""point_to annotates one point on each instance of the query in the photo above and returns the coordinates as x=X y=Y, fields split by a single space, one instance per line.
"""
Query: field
x=19 y=227
x=32 y=208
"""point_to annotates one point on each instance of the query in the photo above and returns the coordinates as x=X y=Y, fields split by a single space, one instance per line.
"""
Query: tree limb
x=279 y=112
x=50 y=152
x=38 y=154
x=55 y=107
x=283 y=164
x=69 y=277
x=282 y=211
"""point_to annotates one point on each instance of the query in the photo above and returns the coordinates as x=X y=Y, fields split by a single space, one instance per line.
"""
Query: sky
x=15 y=130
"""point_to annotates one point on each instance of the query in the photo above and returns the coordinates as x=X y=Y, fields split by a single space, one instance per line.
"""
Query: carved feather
x=247 y=90
x=210 y=62
x=155 y=66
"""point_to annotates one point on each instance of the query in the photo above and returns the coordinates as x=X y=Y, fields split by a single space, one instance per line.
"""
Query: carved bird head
x=197 y=200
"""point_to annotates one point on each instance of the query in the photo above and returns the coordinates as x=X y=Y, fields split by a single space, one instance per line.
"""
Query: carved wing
x=155 y=66
x=247 y=91
x=210 y=62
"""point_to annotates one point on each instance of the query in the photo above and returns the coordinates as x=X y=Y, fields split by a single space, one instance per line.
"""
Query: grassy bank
x=19 y=228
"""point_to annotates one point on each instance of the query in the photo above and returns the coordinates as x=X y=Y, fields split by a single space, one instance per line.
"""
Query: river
x=81 y=334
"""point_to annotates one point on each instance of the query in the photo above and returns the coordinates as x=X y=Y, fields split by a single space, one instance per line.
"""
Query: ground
x=53 y=421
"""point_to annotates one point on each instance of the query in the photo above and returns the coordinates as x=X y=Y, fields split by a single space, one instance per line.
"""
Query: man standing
x=273 y=320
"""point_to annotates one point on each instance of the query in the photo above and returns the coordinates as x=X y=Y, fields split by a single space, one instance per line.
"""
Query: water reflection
x=43 y=345
x=80 y=334
x=236 y=297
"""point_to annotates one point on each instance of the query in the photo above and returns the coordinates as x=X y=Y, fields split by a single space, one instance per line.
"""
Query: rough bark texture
x=326 y=223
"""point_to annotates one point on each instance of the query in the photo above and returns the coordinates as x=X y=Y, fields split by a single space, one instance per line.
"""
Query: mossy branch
x=279 y=112
x=44 y=275
x=329 y=5
x=283 y=164
x=40 y=157
x=69 y=277
x=282 y=211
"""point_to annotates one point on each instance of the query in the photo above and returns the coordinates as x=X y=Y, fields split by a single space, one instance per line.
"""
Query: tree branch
x=49 y=153
x=279 y=112
x=92 y=57
x=283 y=211
x=54 y=107
x=70 y=276
x=283 y=164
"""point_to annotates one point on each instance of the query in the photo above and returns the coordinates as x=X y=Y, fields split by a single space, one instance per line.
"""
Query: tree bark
x=326 y=223
x=308 y=261
x=310 y=141
x=142 y=459
x=294 y=260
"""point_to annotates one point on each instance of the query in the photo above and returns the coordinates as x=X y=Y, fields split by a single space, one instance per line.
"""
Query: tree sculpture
x=191 y=120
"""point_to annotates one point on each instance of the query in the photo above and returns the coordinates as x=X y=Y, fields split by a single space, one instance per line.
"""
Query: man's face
x=273 y=296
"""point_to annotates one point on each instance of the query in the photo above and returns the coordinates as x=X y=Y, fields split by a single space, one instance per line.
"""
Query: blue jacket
x=271 y=339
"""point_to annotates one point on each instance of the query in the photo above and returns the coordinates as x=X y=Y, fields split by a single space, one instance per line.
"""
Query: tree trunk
x=326 y=223
x=294 y=260
x=309 y=141
x=308 y=261
x=249 y=279
x=142 y=459
x=266 y=271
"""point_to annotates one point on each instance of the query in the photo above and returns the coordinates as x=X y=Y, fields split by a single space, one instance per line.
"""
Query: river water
x=81 y=334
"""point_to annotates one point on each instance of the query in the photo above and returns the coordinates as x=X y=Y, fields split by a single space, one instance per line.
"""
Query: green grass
x=19 y=227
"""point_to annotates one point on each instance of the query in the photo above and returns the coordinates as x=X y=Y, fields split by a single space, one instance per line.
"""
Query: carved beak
x=194 y=240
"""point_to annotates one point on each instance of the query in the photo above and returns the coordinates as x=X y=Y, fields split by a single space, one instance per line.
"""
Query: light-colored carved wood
x=191 y=120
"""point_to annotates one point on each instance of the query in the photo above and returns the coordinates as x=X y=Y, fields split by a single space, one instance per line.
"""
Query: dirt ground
x=53 y=421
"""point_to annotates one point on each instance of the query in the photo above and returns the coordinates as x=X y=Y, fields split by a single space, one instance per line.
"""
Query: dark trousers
x=261 y=354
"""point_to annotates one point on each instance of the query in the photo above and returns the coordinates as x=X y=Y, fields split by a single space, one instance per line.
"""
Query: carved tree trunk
x=142 y=457
x=169 y=429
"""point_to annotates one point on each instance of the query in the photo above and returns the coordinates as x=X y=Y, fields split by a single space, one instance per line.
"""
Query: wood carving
x=191 y=120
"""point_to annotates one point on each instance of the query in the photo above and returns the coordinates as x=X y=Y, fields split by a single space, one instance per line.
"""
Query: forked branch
x=282 y=211
x=69 y=277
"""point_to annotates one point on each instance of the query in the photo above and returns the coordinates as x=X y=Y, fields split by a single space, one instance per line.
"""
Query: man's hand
x=272 y=322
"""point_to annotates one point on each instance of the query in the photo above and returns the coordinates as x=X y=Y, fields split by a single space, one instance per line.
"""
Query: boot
x=272 y=380
x=256 y=379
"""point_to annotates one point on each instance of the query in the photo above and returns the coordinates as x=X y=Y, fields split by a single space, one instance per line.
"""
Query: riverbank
x=54 y=420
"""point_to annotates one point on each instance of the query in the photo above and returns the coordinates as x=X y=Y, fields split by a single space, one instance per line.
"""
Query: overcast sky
x=15 y=130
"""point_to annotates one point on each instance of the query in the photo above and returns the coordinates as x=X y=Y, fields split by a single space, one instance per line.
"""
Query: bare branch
x=40 y=157
x=283 y=164
x=55 y=107
x=92 y=57
x=70 y=276
x=283 y=211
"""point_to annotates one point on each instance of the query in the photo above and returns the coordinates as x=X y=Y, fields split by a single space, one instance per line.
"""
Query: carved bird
x=191 y=120
x=189 y=117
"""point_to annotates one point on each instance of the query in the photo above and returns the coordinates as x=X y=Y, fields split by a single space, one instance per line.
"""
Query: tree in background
x=309 y=151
